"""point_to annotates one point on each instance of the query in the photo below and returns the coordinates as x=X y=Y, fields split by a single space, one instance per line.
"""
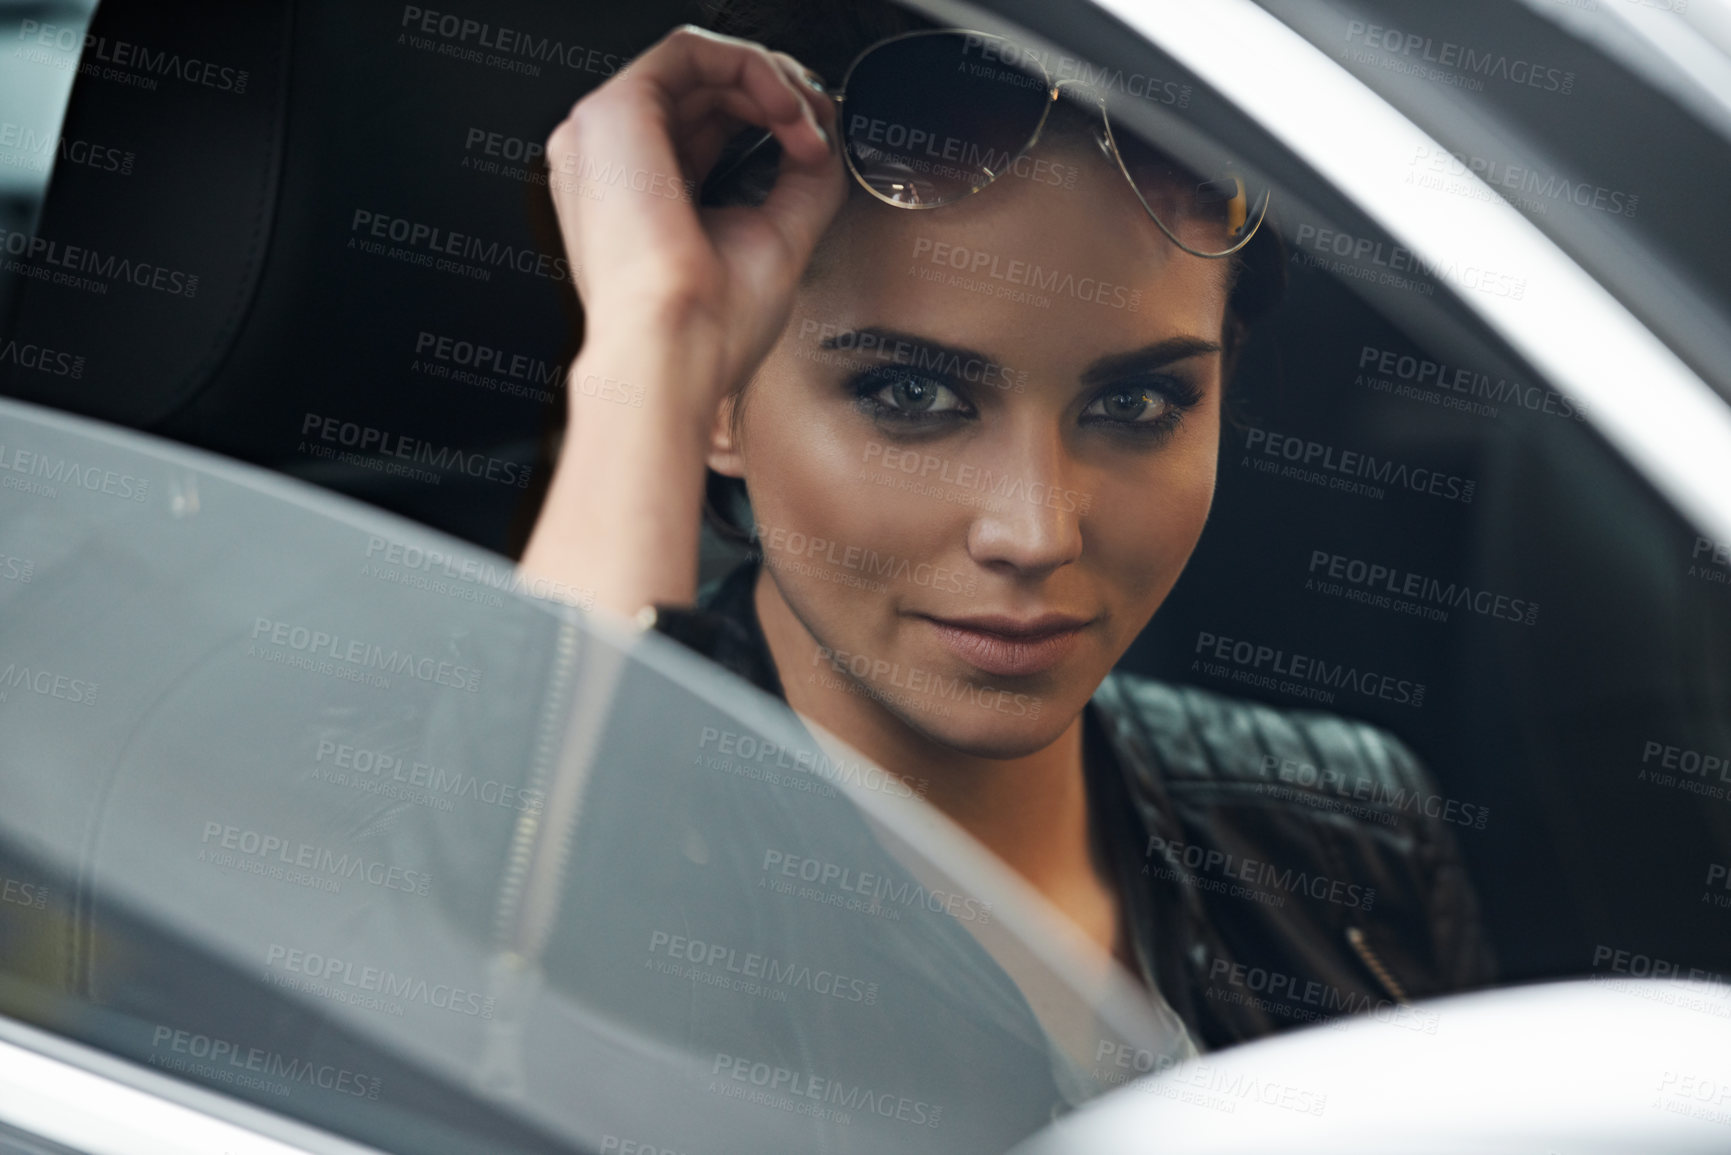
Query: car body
x=316 y=805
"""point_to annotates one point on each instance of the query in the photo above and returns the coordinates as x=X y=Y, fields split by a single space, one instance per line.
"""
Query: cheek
x=812 y=470
x=1153 y=518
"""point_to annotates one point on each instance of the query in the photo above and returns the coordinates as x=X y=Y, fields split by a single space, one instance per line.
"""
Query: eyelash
x=1182 y=395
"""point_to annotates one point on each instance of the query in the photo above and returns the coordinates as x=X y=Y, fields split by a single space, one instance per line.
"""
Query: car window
x=1409 y=498
x=313 y=798
x=1568 y=113
x=313 y=807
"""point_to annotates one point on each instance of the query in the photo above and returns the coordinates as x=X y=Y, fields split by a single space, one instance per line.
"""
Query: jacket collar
x=1127 y=798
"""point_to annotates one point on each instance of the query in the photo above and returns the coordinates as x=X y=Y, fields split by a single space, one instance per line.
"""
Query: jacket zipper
x=1361 y=945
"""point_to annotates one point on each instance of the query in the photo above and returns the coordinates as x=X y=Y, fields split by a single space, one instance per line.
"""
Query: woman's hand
x=650 y=265
x=681 y=304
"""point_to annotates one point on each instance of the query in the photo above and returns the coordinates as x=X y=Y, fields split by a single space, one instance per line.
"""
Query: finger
x=803 y=202
x=689 y=58
x=811 y=89
x=708 y=119
x=775 y=92
x=599 y=159
x=820 y=109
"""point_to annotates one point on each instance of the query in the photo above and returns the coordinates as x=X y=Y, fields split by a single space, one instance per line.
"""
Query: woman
x=979 y=444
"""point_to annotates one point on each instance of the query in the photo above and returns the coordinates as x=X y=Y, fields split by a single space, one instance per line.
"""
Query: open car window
x=327 y=807
x=1417 y=526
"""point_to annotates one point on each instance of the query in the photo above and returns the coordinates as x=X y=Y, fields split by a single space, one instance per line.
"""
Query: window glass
x=325 y=804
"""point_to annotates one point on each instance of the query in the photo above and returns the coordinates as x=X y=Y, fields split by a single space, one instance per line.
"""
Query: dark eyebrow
x=1147 y=359
x=922 y=350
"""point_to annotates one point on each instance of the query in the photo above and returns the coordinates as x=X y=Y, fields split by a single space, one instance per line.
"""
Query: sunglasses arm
x=720 y=176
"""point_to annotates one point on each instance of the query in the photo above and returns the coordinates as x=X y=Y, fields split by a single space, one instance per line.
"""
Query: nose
x=1030 y=518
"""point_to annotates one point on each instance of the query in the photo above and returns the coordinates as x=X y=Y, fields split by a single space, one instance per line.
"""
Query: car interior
x=1411 y=526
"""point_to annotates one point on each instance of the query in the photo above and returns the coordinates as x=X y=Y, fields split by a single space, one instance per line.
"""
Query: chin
x=1011 y=726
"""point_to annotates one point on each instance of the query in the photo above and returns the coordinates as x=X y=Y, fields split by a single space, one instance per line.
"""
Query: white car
x=323 y=829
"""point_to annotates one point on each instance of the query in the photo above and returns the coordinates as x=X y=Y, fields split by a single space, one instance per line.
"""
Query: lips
x=1008 y=647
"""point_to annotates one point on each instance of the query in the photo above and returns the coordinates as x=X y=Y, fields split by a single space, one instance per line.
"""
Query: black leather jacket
x=1277 y=866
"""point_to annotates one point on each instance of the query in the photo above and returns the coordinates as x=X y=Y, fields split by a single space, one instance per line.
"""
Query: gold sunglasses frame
x=1053 y=91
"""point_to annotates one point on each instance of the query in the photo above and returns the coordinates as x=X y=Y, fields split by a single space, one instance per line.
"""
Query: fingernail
x=825 y=137
x=815 y=84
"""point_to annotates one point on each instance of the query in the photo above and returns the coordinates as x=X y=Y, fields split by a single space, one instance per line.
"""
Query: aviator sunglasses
x=930 y=117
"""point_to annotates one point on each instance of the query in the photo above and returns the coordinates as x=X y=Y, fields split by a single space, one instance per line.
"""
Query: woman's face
x=995 y=418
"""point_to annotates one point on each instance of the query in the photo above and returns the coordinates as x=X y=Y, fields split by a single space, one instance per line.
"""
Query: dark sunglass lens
x=928 y=119
x=1208 y=212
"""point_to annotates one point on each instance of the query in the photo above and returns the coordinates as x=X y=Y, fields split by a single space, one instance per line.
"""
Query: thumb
x=802 y=204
